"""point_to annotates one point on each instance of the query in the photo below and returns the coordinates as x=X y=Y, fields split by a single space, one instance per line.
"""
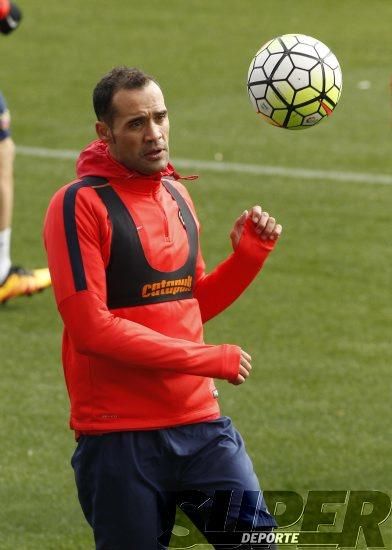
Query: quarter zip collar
x=96 y=160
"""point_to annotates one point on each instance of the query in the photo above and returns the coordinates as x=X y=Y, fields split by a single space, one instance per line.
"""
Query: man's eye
x=135 y=123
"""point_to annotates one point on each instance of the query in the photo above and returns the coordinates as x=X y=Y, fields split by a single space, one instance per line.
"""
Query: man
x=130 y=285
x=14 y=281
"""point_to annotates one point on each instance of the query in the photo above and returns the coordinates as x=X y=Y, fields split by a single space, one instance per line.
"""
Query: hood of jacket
x=96 y=160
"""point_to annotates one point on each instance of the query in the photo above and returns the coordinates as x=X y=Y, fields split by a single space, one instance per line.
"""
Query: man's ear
x=103 y=131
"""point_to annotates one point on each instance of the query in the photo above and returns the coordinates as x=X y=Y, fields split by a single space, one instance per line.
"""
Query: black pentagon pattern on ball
x=266 y=80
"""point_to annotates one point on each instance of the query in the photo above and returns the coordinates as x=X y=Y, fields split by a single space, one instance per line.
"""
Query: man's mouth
x=154 y=154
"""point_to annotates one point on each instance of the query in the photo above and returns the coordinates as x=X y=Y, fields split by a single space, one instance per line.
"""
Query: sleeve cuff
x=231 y=365
x=251 y=248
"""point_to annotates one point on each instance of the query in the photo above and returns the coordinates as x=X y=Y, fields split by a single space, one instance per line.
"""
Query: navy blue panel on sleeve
x=71 y=232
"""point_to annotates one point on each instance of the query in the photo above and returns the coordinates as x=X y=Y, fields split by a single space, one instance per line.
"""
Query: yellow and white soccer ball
x=294 y=81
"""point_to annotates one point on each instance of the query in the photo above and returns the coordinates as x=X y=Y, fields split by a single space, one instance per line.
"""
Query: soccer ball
x=294 y=81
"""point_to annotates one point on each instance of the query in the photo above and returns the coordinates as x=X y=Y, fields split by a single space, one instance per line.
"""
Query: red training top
x=147 y=366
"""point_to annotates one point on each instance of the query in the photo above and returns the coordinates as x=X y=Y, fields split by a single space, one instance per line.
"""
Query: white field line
x=215 y=166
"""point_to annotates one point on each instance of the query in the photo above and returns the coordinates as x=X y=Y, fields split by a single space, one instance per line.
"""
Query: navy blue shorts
x=129 y=484
x=5 y=119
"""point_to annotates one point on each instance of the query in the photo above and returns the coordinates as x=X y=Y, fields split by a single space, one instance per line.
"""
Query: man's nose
x=153 y=131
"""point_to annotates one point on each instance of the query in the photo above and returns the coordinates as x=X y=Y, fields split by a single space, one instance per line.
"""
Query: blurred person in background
x=14 y=280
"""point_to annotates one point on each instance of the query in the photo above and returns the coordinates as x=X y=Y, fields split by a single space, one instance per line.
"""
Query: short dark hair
x=119 y=78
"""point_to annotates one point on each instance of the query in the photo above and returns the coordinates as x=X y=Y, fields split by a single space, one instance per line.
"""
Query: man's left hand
x=264 y=224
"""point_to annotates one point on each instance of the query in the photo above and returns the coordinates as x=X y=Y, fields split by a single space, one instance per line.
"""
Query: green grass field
x=316 y=412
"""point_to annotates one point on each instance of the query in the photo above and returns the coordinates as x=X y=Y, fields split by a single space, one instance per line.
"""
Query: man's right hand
x=245 y=368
